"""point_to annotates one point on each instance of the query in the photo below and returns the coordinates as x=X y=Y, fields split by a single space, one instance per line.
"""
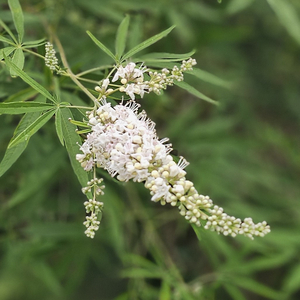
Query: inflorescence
x=123 y=141
x=51 y=60
x=136 y=81
x=93 y=207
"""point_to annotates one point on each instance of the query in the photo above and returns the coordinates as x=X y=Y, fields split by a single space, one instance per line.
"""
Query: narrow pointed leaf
x=35 y=43
x=6 y=40
x=21 y=95
x=58 y=126
x=37 y=177
x=18 y=17
x=256 y=287
x=80 y=124
x=13 y=153
x=210 y=78
x=122 y=36
x=147 y=43
x=101 y=46
x=6 y=51
x=83 y=131
x=149 y=61
x=18 y=60
x=30 y=81
x=32 y=128
x=195 y=92
x=8 y=31
x=72 y=141
x=14 y=108
x=164 y=55
x=287 y=15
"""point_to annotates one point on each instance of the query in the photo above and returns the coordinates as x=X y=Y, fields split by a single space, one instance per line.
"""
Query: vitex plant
x=113 y=132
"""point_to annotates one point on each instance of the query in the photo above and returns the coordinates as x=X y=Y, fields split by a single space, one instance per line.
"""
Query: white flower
x=130 y=73
x=124 y=142
x=51 y=60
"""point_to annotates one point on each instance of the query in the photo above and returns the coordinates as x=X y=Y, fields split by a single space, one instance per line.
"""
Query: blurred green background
x=244 y=153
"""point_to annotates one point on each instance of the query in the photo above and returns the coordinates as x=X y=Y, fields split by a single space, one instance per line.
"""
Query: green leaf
x=32 y=128
x=147 y=43
x=195 y=92
x=72 y=141
x=83 y=131
x=80 y=124
x=6 y=40
x=149 y=61
x=35 y=43
x=18 y=60
x=121 y=37
x=46 y=275
x=30 y=81
x=18 y=17
x=235 y=6
x=58 y=126
x=101 y=46
x=256 y=287
x=292 y=280
x=37 y=177
x=13 y=153
x=210 y=78
x=165 y=291
x=22 y=95
x=287 y=15
x=161 y=64
x=164 y=55
x=8 y=31
x=6 y=51
x=234 y=292
x=197 y=231
x=14 y=108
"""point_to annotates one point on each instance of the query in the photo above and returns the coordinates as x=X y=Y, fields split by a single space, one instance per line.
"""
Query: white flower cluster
x=51 y=60
x=124 y=142
x=133 y=82
x=93 y=207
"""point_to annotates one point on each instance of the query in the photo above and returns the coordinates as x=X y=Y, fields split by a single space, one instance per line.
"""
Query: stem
x=87 y=80
x=73 y=106
x=71 y=74
x=34 y=53
x=92 y=70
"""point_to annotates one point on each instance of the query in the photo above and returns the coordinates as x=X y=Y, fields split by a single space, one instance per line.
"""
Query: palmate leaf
x=147 y=43
x=101 y=46
x=18 y=17
x=14 y=108
x=32 y=128
x=39 y=88
x=72 y=140
x=195 y=92
x=121 y=37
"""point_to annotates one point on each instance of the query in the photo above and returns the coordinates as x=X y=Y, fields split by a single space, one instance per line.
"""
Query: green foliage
x=244 y=152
